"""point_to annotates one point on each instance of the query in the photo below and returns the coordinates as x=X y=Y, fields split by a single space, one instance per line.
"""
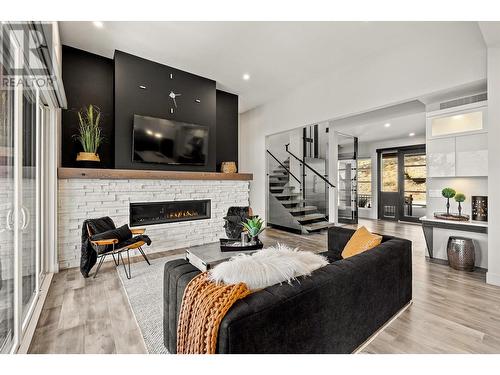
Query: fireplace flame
x=182 y=214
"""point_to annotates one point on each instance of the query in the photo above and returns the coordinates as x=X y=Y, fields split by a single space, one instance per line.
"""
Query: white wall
x=398 y=76
x=493 y=275
x=276 y=145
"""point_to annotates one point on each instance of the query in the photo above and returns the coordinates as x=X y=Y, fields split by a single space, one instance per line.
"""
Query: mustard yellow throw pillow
x=360 y=241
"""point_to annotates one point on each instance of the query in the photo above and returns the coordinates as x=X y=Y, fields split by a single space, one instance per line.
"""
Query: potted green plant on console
x=448 y=193
x=254 y=228
x=89 y=134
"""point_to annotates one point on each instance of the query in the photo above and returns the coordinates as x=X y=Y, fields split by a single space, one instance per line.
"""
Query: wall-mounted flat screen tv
x=164 y=141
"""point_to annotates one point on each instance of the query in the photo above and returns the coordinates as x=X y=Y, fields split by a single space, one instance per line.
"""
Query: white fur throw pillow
x=267 y=267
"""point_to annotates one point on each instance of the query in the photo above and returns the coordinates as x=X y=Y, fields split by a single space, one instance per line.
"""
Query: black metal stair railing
x=284 y=167
x=309 y=167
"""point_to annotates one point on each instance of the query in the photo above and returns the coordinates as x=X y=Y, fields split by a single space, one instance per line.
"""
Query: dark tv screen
x=164 y=141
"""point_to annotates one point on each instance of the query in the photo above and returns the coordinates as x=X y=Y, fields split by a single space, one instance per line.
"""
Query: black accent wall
x=227 y=124
x=88 y=79
x=130 y=73
x=113 y=85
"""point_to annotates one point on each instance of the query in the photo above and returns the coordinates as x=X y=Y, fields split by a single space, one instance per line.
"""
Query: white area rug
x=145 y=294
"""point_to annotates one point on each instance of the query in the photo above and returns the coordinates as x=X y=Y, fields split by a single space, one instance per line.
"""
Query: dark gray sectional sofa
x=335 y=310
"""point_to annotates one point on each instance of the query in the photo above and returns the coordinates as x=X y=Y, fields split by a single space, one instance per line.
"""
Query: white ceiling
x=370 y=127
x=279 y=56
x=400 y=127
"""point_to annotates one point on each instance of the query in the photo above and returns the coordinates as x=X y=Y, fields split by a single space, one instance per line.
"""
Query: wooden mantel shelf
x=128 y=174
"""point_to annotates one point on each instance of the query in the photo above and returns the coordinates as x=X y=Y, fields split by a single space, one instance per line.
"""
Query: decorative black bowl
x=235 y=245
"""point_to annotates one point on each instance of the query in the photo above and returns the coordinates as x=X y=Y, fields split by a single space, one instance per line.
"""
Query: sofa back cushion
x=360 y=241
x=338 y=237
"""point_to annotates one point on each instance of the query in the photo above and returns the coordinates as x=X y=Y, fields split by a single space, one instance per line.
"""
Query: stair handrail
x=286 y=169
x=308 y=166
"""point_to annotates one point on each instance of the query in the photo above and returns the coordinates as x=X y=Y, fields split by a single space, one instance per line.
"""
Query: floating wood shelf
x=129 y=174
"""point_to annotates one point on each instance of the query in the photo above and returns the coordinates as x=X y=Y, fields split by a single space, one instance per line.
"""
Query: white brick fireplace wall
x=80 y=199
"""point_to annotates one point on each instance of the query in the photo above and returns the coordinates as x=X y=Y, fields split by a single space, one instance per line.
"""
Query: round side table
x=461 y=253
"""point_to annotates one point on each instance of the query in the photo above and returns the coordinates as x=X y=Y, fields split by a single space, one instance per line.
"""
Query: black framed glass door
x=402 y=183
x=414 y=191
x=388 y=186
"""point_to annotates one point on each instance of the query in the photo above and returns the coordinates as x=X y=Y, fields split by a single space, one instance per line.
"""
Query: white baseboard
x=493 y=278
x=374 y=336
x=30 y=330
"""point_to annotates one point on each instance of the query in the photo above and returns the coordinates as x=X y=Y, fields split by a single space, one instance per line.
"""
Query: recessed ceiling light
x=158 y=135
x=98 y=24
x=246 y=76
x=387 y=124
x=149 y=132
x=411 y=134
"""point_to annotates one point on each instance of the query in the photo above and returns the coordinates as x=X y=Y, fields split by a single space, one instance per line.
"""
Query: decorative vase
x=447 y=206
x=87 y=156
x=228 y=167
x=459 y=209
x=244 y=239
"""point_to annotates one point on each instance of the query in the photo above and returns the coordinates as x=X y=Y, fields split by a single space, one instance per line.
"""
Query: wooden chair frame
x=118 y=252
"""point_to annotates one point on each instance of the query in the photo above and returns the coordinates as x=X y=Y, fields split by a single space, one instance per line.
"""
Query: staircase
x=302 y=216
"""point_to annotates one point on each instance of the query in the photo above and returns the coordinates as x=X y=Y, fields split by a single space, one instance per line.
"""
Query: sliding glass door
x=7 y=197
x=21 y=117
x=29 y=203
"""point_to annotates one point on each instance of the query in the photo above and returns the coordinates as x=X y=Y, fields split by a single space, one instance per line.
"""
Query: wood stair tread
x=309 y=217
x=317 y=226
x=284 y=195
x=282 y=188
x=302 y=209
x=294 y=201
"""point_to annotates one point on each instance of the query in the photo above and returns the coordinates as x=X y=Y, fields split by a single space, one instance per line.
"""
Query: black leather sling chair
x=106 y=240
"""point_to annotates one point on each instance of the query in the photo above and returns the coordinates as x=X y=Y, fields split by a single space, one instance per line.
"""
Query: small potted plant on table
x=254 y=227
x=448 y=193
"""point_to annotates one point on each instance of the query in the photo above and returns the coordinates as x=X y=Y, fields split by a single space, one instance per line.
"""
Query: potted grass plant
x=89 y=133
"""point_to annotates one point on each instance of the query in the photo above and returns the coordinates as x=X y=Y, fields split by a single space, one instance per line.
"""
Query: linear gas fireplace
x=150 y=213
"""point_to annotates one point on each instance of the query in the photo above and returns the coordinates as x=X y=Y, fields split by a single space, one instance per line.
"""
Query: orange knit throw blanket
x=203 y=307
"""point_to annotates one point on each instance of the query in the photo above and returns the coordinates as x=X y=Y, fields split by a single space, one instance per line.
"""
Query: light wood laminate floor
x=452 y=311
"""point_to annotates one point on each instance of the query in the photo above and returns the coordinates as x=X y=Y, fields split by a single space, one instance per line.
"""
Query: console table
x=429 y=223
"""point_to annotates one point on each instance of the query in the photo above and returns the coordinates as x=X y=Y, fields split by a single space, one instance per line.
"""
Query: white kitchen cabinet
x=464 y=156
x=457 y=141
x=467 y=119
x=441 y=157
x=471 y=152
